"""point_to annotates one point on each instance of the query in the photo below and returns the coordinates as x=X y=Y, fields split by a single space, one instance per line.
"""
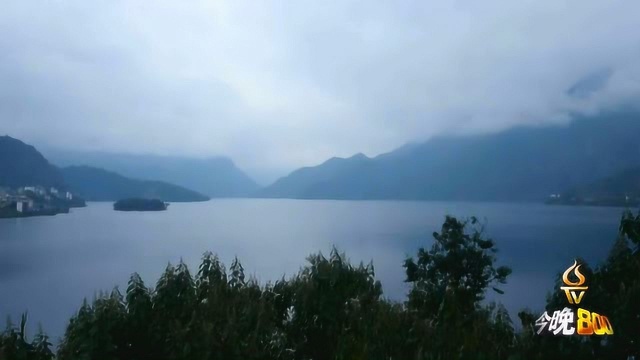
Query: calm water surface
x=49 y=264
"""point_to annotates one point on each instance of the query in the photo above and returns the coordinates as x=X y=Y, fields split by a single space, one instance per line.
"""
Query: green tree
x=14 y=343
x=333 y=309
x=448 y=283
x=614 y=290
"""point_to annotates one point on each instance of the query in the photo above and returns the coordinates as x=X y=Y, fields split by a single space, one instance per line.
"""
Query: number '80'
x=591 y=323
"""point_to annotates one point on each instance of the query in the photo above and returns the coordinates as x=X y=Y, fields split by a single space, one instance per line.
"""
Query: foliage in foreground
x=334 y=310
x=14 y=343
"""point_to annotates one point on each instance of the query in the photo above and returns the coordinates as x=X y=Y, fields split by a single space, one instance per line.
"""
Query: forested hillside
x=23 y=165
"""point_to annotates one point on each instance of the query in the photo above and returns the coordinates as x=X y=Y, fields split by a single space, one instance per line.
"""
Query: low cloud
x=277 y=85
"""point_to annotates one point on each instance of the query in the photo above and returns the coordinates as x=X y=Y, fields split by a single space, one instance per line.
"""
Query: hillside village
x=36 y=200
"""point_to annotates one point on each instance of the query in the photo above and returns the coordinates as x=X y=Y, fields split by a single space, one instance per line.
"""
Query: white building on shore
x=23 y=204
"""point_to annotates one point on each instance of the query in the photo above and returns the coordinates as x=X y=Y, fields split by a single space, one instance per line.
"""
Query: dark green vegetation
x=10 y=212
x=42 y=207
x=100 y=185
x=14 y=343
x=332 y=309
x=614 y=290
x=215 y=177
x=23 y=165
x=39 y=203
x=620 y=189
x=521 y=164
x=135 y=204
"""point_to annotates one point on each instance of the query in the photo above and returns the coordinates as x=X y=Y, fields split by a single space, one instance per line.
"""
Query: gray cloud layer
x=276 y=85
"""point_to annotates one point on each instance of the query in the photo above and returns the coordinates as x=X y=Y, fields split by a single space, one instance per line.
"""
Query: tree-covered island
x=139 y=204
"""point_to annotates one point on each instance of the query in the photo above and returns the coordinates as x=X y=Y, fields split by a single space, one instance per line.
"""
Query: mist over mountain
x=520 y=164
x=22 y=165
x=96 y=184
x=214 y=177
x=619 y=189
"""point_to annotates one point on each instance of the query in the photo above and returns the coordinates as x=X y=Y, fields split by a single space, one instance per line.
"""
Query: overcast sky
x=277 y=85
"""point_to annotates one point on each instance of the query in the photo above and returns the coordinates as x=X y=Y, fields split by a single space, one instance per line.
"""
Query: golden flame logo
x=573 y=295
x=576 y=271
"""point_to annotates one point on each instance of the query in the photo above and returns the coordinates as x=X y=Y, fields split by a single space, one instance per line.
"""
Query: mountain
x=23 y=165
x=620 y=189
x=520 y=164
x=96 y=184
x=215 y=177
x=321 y=181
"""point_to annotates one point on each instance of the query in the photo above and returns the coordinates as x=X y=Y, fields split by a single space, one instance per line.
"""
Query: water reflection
x=49 y=264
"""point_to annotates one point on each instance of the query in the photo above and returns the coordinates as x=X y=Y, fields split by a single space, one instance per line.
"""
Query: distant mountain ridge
x=520 y=164
x=216 y=177
x=619 y=189
x=307 y=182
x=96 y=184
x=22 y=165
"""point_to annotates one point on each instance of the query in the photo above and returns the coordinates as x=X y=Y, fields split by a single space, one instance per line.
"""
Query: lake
x=49 y=264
